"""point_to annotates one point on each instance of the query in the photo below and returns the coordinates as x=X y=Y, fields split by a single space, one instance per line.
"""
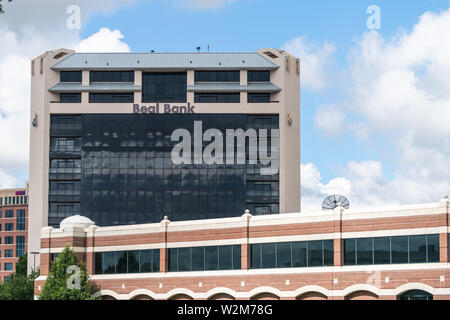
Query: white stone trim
x=360 y=287
x=61 y=249
x=127 y=247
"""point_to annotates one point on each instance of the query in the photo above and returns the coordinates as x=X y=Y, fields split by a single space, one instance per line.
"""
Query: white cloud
x=204 y=4
x=37 y=32
x=315 y=60
x=105 y=40
x=330 y=120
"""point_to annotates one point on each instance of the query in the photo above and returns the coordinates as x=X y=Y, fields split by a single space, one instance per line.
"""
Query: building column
x=45 y=257
x=163 y=251
x=90 y=252
x=245 y=247
x=338 y=252
x=443 y=236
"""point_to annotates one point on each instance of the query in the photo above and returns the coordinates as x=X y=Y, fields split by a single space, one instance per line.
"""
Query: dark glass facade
x=258 y=76
x=317 y=253
x=392 y=250
x=133 y=261
x=111 y=76
x=217 y=97
x=164 y=86
x=258 y=97
x=117 y=169
x=205 y=258
x=217 y=76
x=70 y=97
x=111 y=97
x=70 y=76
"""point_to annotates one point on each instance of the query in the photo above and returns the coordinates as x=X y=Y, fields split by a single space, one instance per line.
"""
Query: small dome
x=76 y=221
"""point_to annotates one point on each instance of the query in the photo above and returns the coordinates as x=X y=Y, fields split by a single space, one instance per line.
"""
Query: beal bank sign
x=163 y=108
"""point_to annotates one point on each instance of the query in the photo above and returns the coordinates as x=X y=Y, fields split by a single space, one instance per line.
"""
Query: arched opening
x=265 y=296
x=106 y=297
x=312 y=296
x=221 y=296
x=181 y=296
x=142 y=297
x=361 y=295
x=415 y=295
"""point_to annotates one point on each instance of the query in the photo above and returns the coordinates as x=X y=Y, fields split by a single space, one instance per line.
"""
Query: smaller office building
x=13 y=229
x=378 y=253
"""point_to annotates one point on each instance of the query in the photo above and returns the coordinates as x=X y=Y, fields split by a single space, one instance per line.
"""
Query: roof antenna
x=198 y=49
x=209 y=47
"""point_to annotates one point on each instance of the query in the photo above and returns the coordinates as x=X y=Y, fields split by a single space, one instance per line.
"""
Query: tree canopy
x=19 y=286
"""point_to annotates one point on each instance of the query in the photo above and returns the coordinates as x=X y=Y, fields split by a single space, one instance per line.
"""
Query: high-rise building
x=128 y=138
x=13 y=229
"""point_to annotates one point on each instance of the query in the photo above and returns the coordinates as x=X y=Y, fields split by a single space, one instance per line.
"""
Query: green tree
x=20 y=286
x=68 y=279
x=1 y=6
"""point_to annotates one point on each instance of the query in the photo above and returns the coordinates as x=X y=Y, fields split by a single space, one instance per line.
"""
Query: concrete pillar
x=163 y=251
x=245 y=247
x=90 y=245
x=443 y=236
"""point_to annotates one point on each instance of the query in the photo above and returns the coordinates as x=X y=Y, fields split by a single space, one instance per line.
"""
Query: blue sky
x=360 y=156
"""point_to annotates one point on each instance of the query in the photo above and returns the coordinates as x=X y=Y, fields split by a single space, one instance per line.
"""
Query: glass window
x=70 y=76
x=382 y=250
x=109 y=262
x=8 y=253
x=284 y=255
x=217 y=97
x=268 y=255
x=9 y=213
x=315 y=253
x=198 y=259
x=121 y=261
x=9 y=226
x=399 y=247
x=299 y=254
x=133 y=261
x=237 y=257
x=111 y=97
x=9 y=240
x=111 y=76
x=255 y=251
x=225 y=257
x=258 y=97
x=217 y=76
x=20 y=246
x=184 y=259
x=20 y=219
x=364 y=252
x=70 y=97
x=8 y=266
x=164 y=87
x=349 y=251
x=418 y=249
x=211 y=258
x=328 y=252
x=145 y=260
x=416 y=295
x=258 y=75
x=433 y=247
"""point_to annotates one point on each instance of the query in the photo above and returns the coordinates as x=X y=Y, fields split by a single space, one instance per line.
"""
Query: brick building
x=13 y=229
x=378 y=253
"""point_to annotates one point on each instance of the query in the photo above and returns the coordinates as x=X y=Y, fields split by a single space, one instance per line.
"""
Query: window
x=111 y=76
x=416 y=295
x=111 y=97
x=292 y=254
x=134 y=261
x=164 y=87
x=20 y=220
x=9 y=240
x=61 y=144
x=8 y=266
x=258 y=97
x=391 y=250
x=20 y=246
x=9 y=213
x=6 y=278
x=70 y=76
x=258 y=76
x=9 y=226
x=70 y=97
x=8 y=253
x=217 y=76
x=217 y=97
x=205 y=258
x=65 y=163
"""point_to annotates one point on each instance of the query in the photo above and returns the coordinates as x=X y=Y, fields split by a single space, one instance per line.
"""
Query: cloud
x=316 y=62
x=26 y=31
x=105 y=40
x=203 y=4
x=330 y=120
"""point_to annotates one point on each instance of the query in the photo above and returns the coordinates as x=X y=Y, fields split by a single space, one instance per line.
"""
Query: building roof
x=94 y=87
x=233 y=87
x=191 y=60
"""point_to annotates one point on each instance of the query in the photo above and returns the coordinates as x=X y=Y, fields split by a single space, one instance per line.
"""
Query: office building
x=104 y=127
x=13 y=229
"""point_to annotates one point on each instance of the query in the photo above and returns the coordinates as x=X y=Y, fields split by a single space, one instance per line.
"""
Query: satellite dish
x=332 y=202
